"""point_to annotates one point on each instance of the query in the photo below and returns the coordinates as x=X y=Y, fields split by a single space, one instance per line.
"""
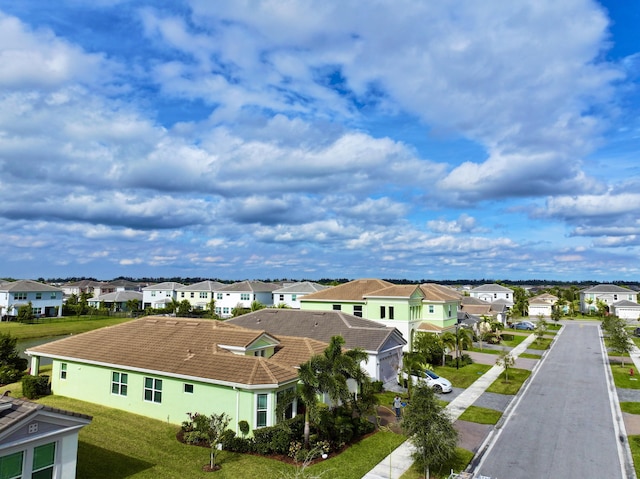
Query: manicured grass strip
x=634 y=444
x=555 y=326
x=58 y=326
x=481 y=415
x=464 y=376
x=485 y=351
x=514 y=341
x=120 y=444
x=622 y=378
x=541 y=344
x=459 y=463
x=517 y=377
x=630 y=407
x=529 y=356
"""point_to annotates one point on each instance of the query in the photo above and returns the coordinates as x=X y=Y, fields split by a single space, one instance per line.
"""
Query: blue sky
x=313 y=139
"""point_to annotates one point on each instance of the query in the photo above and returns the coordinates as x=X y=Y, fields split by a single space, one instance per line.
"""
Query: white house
x=290 y=294
x=242 y=294
x=626 y=310
x=542 y=305
x=159 y=295
x=117 y=301
x=38 y=441
x=493 y=292
x=87 y=286
x=45 y=300
x=199 y=294
x=606 y=293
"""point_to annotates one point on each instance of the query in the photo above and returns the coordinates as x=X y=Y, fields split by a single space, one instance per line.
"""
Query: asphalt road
x=563 y=425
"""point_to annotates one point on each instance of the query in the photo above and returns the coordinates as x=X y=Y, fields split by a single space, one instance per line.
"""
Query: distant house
x=242 y=294
x=38 y=441
x=408 y=308
x=159 y=295
x=542 y=305
x=117 y=301
x=289 y=295
x=199 y=294
x=87 y=286
x=163 y=368
x=607 y=294
x=497 y=311
x=493 y=292
x=383 y=344
x=45 y=300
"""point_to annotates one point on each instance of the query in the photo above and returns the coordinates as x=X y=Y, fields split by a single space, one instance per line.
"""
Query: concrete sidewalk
x=400 y=460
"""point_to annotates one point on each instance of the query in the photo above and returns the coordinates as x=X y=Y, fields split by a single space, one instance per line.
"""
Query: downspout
x=237 y=407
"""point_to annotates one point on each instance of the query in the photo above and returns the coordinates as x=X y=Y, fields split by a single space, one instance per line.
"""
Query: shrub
x=377 y=386
x=34 y=387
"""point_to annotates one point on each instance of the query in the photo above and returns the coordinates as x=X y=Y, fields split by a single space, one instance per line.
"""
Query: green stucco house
x=164 y=368
x=409 y=308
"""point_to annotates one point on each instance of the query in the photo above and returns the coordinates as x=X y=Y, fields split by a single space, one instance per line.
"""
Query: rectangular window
x=53 y=296
x=43 y=460
x=153 y=390
x=20 y=296
x=245 y=296
x=225 y=310
x=449 y=310
x=63 y=370
x=153 y=293
x=391 y=312
x=36 y=311
x=193 y=294
x=119 y=383
x=337 y=307
x=188 y=388
x=218 y=295
x=204 y=295
x=383 y=312
x=294 y=297
x=260 y=353
x=182 y=294
x=11 y=466
x=282 y=297
x=615 y=297
x=38 y=295
x=261 y=410
x=431 y=310
x=218 y=310
x=357 y=311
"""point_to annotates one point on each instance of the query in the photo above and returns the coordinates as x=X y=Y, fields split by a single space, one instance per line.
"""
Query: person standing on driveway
x=397 y=405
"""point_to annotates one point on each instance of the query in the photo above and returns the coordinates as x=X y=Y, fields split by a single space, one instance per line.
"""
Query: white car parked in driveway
x=431 y=379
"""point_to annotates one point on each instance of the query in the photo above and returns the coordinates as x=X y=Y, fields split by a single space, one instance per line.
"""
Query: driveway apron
x=562 y=425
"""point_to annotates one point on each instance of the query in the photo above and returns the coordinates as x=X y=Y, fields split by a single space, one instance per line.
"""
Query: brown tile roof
x=321 y=325
x=351 y=291
x=437 y=292
x=183 y=347
x=397 y=291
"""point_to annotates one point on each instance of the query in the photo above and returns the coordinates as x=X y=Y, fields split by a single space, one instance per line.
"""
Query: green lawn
x=541 y=344
x=517 y=377
x=463 y=377
x=58 y=326
x=512 y=343
x=481 y=415
x=622 y=378
x=530 y=356
x=630 y=407
x=459 y=463
x=120 y=444
x=634 y=444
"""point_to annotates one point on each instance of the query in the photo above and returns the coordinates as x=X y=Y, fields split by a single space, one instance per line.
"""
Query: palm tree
x=308 y=390
x=448 y=341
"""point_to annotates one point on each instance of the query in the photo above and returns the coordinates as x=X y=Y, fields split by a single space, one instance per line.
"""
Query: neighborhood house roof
x=351 y=291
x=491 y=288
x=168 y=286
x=117 y=297
x=250 y=286
x=26 y=285
x=321 y=325
x=202 y=286
x=181 y=347
x=544 y=298
x=14 y=411
x=437 y=292
x=608 y=288
x=302 y=287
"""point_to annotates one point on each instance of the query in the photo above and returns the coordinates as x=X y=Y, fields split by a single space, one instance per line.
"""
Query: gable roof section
x=202 y=286
x=250 y=286
x=118 y=297
x=13 y=412
x=321 y=326
x=626 y=304
x=179 y=347
x=544 y=298
x=167 y=286
x=437 y=292
x=302 y=287
x=491 y=288
x=396 y=291
x=608 y=288
x=26 y=285
x=352 y=291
